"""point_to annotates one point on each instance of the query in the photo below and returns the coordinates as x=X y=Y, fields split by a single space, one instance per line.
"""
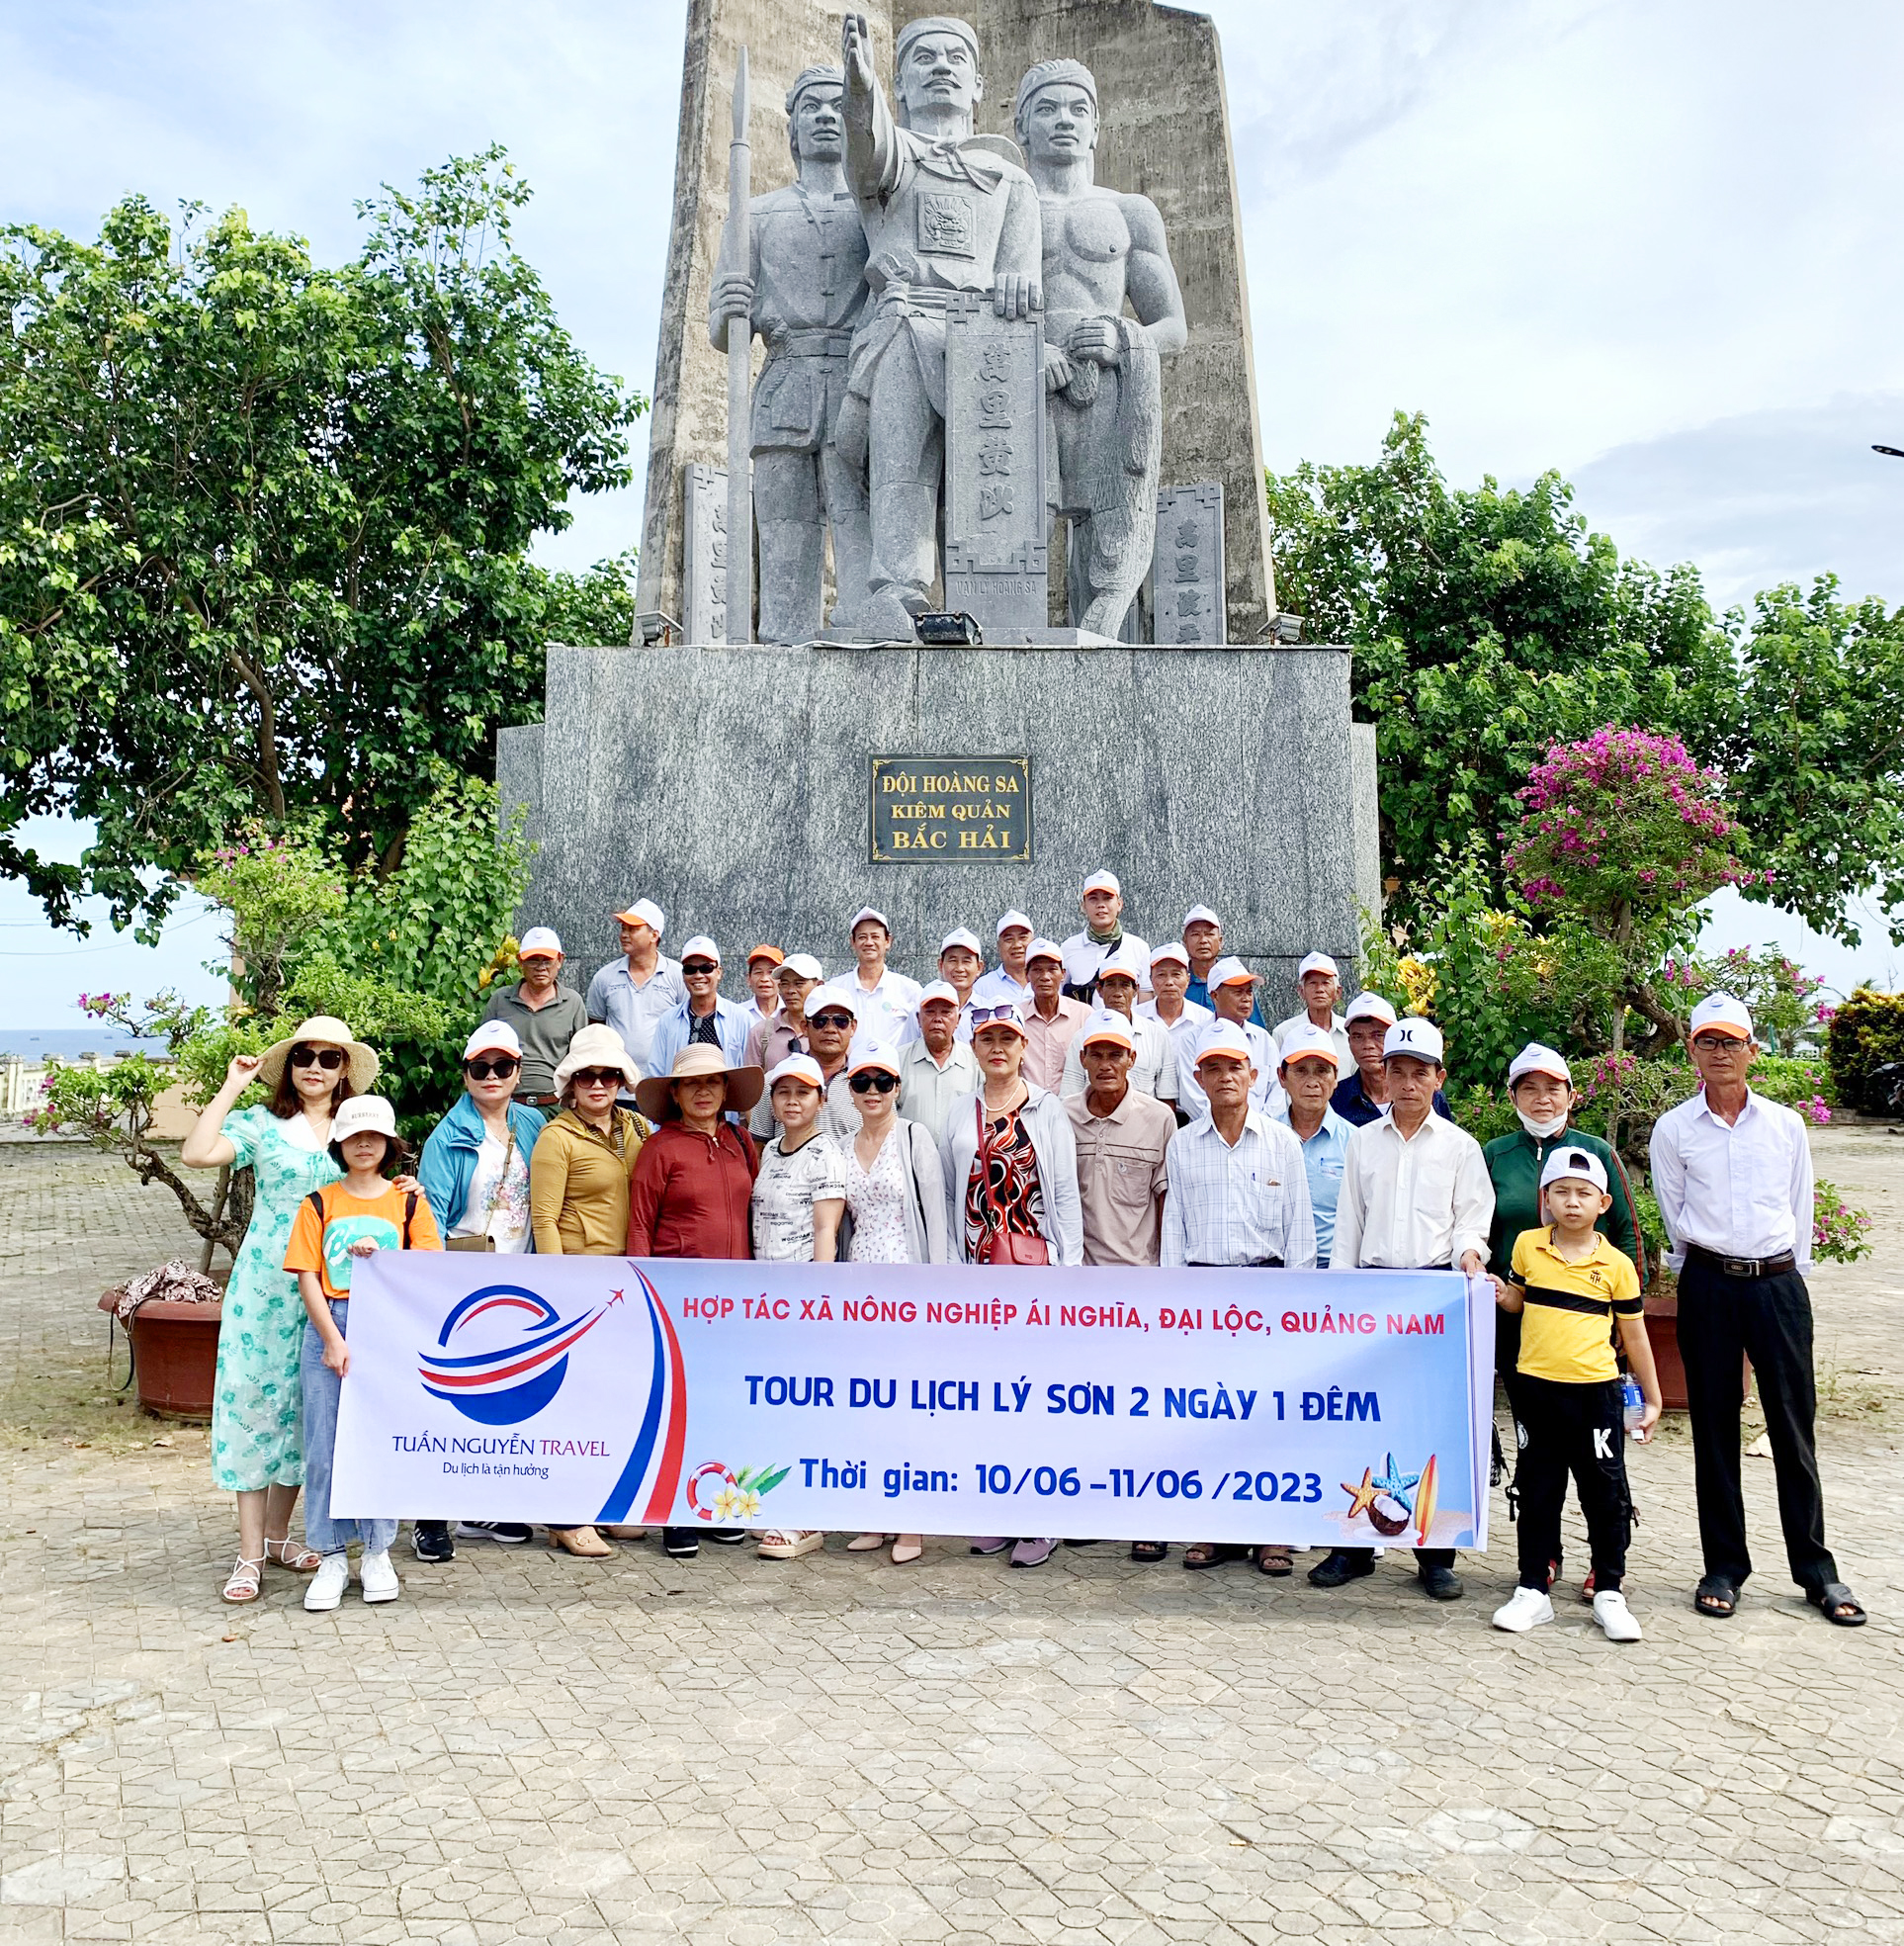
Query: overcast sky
x=1655 y=245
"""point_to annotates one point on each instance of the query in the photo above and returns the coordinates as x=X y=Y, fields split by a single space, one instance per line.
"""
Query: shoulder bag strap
x=410 y=1211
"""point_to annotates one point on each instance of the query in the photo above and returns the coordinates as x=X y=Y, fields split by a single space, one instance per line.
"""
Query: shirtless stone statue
x=803 y=293
x=944 y=211
x=1104 y=399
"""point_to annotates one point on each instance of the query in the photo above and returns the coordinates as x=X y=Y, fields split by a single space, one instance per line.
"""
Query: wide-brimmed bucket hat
x=743 y=1084
x=594 y=1047
x=321 y=1030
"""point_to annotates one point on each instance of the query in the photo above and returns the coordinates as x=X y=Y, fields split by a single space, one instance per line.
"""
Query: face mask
x=1540 y=1130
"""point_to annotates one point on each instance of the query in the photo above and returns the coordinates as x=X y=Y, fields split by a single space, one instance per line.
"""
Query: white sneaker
x=1525 y=1609
x=1616 y=1618
x=327 y=1585
x=379 y=1577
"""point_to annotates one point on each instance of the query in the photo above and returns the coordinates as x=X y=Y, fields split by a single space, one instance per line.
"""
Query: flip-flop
x=1275 y=1562
x=1717 y=1597
x=1832 y=1596
x=1149 y=1551
x=1200 y=1554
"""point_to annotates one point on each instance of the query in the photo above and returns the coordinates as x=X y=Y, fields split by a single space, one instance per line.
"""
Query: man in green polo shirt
x=544 y=1015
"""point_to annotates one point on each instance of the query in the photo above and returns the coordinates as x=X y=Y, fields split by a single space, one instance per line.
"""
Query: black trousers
x=1579 y=1430
x=1722 y=1321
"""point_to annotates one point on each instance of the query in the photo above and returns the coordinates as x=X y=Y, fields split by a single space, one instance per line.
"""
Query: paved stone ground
x=529 y=1747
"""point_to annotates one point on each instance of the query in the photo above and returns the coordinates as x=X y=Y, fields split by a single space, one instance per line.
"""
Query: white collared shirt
x=1154 y=1071
x=1245 y=1204
x=1084 y=956
x=1741 y=1189
x=998 y=989
x=1338 y=1032
x=888 y=1012
x=928 y=1090
x=1265 y=1092
x=1417 y=1202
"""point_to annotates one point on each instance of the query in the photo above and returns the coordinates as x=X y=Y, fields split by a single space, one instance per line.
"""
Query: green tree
x=264 y=525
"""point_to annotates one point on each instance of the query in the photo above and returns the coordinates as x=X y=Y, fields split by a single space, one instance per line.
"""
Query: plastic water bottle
x=1634 y=1402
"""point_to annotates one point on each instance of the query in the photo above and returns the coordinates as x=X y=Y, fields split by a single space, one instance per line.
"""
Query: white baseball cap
x=539 y=939
x=865 y=912
x=1201 y=915
x=797 y=1067
x=701 y=947
x=1369 y=1007
x=1413 y=1036
x=940 y=990
x=492 y=1037
x=1044 y=949
x=364 y=1114
x=1013 y=919
x=1102 y=881
x=804 y=966
x=1225 y=1039
x=1171 y=949
x=1124 y=961
x=1536 y=1059
x=1310 y=1043
x=1230 y=971
x=1111 y=1027
x=824 y=998
x=1575 y=1162
x=1719 y=1012
x=647 y=912
x=1318 y=964
x=866 y=1052
x=960 y=936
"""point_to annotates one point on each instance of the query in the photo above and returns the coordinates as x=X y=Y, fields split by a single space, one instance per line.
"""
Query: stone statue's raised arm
x=872 y=148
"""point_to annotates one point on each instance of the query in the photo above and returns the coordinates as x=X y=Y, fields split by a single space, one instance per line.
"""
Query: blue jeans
x=323 y=1389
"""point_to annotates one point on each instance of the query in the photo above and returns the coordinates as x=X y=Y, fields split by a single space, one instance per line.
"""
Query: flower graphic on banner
x=716 y=1494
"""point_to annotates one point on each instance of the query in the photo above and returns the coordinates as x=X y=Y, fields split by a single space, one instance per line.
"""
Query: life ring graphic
x=712 y=1470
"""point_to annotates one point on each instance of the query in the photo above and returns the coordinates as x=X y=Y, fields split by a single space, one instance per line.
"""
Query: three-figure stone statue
x=1104 y=413
x=803 y=293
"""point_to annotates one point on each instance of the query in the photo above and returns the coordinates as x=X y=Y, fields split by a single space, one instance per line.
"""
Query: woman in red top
x=692 y=1191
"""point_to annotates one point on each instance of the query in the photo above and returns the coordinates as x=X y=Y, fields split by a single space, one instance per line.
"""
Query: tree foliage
x=264 y=525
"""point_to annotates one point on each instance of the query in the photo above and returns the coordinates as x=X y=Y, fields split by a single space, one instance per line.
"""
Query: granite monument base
x=767 y=794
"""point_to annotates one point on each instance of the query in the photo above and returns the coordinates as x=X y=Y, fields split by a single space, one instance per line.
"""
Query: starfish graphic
x=1397 y=1483
x=1359 y=1497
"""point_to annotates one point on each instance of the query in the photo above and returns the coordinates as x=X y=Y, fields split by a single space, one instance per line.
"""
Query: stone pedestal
x=736 y=786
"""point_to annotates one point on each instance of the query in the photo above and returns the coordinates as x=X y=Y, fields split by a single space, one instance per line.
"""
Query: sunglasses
x=599 y=1077
x=835 y=1023
x=864 y=1083
x=502 y=1067
x=699 y=966
x=330 y=1059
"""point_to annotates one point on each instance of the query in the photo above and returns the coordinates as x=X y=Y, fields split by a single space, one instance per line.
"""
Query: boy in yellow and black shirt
x=1574 y=1289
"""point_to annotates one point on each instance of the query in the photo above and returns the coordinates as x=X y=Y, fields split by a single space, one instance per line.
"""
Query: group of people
x=1094 y=1102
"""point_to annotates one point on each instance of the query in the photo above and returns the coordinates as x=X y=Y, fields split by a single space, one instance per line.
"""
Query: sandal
x=1150 y=1550
x=293 y=1554
x=244 y=1581
x=1836 y=1603
x=1275 y=1561
x=581 y=1542
x=1210 y=1554
x=1717 y=1597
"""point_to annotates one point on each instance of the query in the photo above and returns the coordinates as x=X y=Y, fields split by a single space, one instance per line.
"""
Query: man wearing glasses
x=832 y=1017
x=1732 y=1172
x=704 y=1017
x=542 y=1013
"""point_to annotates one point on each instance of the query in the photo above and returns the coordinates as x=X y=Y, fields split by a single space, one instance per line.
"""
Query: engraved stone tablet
x=1186 y=569
x=705 y=553
x=951 y=810
x=994 y=467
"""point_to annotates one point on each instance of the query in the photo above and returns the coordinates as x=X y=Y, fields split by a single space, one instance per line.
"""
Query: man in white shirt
x=1102 y=905
x=1321 y=985
x=887 y=1001
x=961 y=961
x=1415 y=1196
x=1172 y=1009
x=938 y=1067
x=1233 y=995
x=1732 y=1172
x=635 y=993
x=1007 y=983
x=1203 y=941
x=1154 y=1069
x=763 y=964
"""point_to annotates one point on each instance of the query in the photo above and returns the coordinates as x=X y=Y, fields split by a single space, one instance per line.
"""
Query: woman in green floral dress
x=257 y=1432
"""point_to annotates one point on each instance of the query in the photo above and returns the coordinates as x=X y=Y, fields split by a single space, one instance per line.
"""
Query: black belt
x=1248 y=1264
x=1743 y=1267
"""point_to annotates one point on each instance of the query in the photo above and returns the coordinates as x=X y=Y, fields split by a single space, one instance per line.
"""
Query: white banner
x=1312 y=1408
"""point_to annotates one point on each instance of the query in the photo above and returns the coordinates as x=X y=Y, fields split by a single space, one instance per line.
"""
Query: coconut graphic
x=1387 y=1515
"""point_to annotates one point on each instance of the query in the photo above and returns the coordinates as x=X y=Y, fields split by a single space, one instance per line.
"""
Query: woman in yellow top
x=578 y=1176
x=335 y=1226
x=1573 y=1289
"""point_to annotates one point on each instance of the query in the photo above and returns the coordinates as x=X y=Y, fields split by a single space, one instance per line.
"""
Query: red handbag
x=1005 y=1245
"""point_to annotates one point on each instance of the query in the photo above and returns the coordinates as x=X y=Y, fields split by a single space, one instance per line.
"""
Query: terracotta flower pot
x=175 y=1356
x=1662 y=1330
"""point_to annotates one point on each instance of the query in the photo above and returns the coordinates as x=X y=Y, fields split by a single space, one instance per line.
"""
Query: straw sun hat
x=321 y=1030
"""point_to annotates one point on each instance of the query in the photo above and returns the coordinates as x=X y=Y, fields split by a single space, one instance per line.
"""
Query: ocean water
x=36 y=1044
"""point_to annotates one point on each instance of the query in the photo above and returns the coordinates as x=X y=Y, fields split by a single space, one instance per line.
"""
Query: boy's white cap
x=1124 y=961
x=1044 y=949
x=1318 y=964
x=797 y=1067
x=1719 y=1012
x=865 y=912
x=1230 y=971
x=648 y=912
x=940 y=990
x=822 y=999
x=364 y=1114
x=1171 y=949
x=1111 y=1027
x=1310 y=1043
x=1011 y=918
x=1225 y=1038
x=1201 y=915
x=701 y=947
x=1370 y=1007
x=804 y=966
x=1413 y=1036
x=961 y=936
x=492 y=1037
x=1102 y=881
x=867 y=1052
x=539 y=939
x=1536 y=1059
x=1575 y=1162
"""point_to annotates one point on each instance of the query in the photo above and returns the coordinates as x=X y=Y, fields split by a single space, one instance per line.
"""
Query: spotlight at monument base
x=940 y=629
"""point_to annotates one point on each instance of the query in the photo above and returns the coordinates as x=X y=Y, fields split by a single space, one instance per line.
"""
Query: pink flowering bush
x=1840 y=1234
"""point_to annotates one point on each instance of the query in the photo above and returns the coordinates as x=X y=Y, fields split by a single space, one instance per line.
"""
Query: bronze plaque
x=951 y=810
